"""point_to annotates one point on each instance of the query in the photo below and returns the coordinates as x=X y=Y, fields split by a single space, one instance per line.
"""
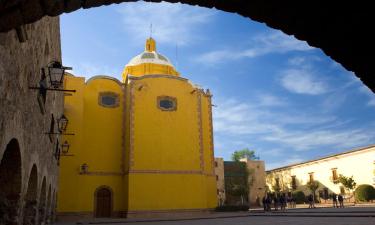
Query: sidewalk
x=302 y=210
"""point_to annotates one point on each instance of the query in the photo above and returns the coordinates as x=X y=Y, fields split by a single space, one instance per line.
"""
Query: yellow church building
x=143 y=146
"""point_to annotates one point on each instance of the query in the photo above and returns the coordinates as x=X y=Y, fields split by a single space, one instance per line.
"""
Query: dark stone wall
x=342 y=30
x=20 y=115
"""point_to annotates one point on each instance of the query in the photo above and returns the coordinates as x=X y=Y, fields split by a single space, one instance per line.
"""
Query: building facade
x=257 y=180
x=220 y=183
x=28 y=139
x=230 y=173
x=141 y=146
x=359 y=163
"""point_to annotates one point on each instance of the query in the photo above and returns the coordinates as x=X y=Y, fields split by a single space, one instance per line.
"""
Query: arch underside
x=343 y=31
x=10 y=183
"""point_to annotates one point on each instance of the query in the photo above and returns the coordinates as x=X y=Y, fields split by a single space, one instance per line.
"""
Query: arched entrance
x=103 y=202
x=48 y=208
x=10 y=183
x=42 y=202
x=30 y=207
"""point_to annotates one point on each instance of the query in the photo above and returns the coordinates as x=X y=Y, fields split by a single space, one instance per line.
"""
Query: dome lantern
x=150 y=45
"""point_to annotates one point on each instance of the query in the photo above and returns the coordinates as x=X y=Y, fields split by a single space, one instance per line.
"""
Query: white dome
x=149 y=57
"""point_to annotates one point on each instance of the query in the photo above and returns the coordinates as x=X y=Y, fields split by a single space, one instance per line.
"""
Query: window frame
x=111 y=94
x=164 y=97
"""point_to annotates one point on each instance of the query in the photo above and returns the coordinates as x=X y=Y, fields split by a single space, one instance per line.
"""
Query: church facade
x=140 y=146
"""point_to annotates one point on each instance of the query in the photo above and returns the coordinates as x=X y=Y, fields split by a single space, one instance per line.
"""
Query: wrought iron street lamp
x=56 y=72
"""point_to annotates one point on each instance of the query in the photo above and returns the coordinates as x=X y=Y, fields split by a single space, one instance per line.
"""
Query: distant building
x=359 y=163
x=257 y=179
x=230 y=172
x=219 y=172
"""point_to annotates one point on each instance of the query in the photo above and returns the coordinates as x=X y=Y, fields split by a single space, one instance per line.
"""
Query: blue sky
x=274 y=94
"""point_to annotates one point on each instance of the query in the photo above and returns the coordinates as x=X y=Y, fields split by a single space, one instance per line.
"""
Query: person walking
x=264 y=202
x=268 y=202
x=276 y=202
x=341 y=200
x=334 y=200
x=282 y=201
x=310 y=199
x=294 y=202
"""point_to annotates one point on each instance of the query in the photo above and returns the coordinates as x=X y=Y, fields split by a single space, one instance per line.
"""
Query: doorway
x=103 y=202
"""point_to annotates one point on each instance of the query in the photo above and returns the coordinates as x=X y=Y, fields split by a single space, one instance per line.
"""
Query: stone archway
x=11 y=183
x=30 y=209
x=103 y=202
x=53 y=206
x=48 y=207
x=42 y=202
x=351 y=20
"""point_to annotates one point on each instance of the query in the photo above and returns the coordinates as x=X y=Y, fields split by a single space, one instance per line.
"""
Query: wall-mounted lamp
x=65 y=148
x=56 y=73
x=84 y=168
x=62 y=123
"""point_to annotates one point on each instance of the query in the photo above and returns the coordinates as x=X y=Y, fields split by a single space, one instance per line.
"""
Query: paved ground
x=300 y=216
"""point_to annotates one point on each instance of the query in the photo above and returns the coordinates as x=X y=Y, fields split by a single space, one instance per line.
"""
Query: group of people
x=337 y=198
x=279 y=201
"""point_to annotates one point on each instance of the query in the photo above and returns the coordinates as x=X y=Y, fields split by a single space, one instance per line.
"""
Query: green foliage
x=299 y=196
x=237 y=181
x=231 y=208
x=347 y=182
x=244 y=153
x=313 y=186
x=365 y=193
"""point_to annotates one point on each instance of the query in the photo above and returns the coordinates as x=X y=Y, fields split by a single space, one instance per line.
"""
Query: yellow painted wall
x=97 y=142
x=151 y=159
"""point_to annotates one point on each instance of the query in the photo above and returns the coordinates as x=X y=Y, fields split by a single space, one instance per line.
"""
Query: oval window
x=108 y=99
x=167 y=103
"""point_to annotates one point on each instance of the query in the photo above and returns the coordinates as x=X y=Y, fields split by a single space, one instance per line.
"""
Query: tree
x=244 y=153
x=238 y=184
x=313 y=186
x=348 y=182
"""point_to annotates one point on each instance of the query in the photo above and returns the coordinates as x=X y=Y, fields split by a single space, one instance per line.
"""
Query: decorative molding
x=211 y=133
x=103 y=77
x=200 y=130
x=166 y=171
x=131 y=125
x=157 y=76
x=102 y=173
x=123 y=119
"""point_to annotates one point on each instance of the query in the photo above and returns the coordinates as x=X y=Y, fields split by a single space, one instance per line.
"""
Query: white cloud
x=365 y=90
x=171 y=22
x=261 y=44
x=271 y=100
x=298 y=131
x=302 y=81
x=89 y=69
x=306 y=140
x=289 y=160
